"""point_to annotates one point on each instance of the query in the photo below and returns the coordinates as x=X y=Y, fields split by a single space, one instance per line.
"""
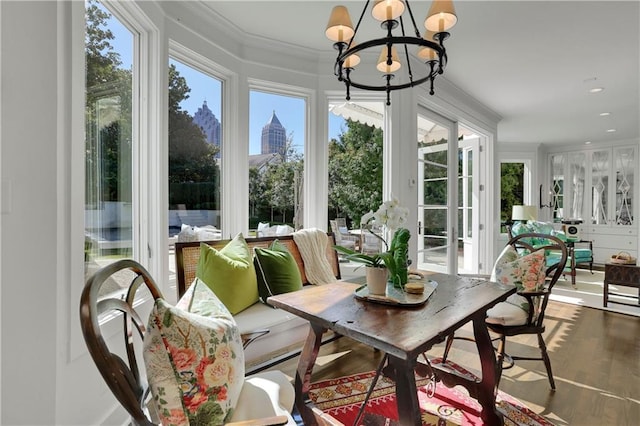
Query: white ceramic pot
x=377 y=280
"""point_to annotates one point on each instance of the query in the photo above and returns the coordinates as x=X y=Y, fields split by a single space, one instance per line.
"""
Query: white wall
x=30 y=273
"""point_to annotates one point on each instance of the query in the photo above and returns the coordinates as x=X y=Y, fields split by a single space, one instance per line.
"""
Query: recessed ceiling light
x=587 y=143
x=596 y=90
x=604 y=114
x=611 y=130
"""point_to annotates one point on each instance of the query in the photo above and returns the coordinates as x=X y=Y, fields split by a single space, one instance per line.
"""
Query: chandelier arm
x=415 y=27
x=393 y=40
x=364 y=9
x=406 y=52
x=389 y=44
x=392 y=87
x=433 y=77
x=388 y=89
x=337 y=68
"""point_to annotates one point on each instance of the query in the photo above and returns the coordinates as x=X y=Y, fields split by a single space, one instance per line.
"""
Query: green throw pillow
x=277 y=271
x=230 y=273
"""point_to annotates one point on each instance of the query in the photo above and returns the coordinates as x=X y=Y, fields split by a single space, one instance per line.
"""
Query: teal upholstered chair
x=578 y=252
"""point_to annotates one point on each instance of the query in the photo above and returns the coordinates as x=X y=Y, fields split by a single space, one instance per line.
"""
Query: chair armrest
x=251 y=336
x=266 y=421
x=584 y=242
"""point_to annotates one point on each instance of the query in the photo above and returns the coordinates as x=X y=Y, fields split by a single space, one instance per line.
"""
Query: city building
x=210 y=125
x=274 y=136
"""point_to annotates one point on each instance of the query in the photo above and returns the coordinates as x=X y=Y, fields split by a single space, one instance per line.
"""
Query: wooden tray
x=397 y=297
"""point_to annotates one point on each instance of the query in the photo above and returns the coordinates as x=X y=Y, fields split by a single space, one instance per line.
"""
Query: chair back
x=122 y=377
x=532 y=242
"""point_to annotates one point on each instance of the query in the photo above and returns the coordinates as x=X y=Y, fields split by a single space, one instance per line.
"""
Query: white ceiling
x=531 y=62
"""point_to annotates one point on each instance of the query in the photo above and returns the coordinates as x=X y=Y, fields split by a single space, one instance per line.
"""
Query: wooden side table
x=621 y=275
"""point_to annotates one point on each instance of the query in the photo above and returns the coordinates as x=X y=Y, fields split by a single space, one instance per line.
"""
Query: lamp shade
x=339 y=28
x=352 y=60
x=524 y=213
x=441 y=16
x=386 y=10
x=385 y=68
x=426 y=53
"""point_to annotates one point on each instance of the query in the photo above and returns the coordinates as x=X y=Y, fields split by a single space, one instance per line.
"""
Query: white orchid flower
x=366 y=218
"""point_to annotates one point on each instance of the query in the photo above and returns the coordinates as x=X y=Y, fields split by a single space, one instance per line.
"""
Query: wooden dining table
x=402 y=333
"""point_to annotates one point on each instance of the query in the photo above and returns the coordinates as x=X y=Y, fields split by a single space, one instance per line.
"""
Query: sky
x=289 y=110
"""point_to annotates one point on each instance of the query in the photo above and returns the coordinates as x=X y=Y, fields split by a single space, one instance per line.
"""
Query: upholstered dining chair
x=523 y=264
x=264 y=398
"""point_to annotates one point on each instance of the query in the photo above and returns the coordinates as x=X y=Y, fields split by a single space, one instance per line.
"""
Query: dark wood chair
x=124 y=377
x=533 y=324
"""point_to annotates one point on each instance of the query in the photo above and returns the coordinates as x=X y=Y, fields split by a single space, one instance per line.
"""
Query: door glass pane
x=557 y=192
x=624 y=163
x=276 y=163
x=109 y=233
x=577 y=165
x=195 y=139
x=355 y=160
x=433 y=198
x=600 y=184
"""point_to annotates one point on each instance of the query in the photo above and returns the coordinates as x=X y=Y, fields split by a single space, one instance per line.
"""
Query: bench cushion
x=230 y=273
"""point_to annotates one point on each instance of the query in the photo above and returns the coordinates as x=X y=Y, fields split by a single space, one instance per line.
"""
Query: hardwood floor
x=595 y=357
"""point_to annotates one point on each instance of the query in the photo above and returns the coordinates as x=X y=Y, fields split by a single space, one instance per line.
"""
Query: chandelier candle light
x=428 y=48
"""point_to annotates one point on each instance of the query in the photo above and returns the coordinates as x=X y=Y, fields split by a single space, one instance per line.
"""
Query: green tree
x=108 y=113
x=279 y=182
x=191 y=157
x=511 y=188
x=355 y=171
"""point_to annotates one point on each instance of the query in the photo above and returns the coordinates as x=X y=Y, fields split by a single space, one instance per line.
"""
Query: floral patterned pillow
x=527 y=273
x=194 y=359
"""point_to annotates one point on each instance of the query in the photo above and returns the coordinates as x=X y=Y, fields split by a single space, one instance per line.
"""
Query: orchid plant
x=391 y=217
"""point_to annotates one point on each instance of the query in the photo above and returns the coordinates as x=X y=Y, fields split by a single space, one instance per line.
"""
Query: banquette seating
x=280 y=333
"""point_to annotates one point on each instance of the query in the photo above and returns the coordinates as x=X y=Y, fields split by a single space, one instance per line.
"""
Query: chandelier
x=429 y=48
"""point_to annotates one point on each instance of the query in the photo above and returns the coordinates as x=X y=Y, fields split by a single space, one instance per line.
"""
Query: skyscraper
x=210 y=125
x=274 y=137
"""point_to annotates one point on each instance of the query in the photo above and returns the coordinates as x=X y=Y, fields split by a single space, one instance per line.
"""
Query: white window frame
x=146 y=114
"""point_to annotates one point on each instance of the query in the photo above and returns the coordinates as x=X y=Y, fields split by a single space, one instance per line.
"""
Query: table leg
x=406 y=391
x=572 y=265
x=303 y=374
x=605 y=293
x=487 y=387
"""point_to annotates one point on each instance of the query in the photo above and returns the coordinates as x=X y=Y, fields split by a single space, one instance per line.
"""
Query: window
x=195 y=142
x=276 y=161
x=110 y=139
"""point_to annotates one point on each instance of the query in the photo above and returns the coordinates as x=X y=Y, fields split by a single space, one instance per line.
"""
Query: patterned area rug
x=341 y=398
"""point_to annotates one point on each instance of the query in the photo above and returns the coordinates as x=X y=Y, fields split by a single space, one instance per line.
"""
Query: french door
x=437 y=193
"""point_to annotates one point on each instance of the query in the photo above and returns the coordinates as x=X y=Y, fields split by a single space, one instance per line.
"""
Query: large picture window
x=277 y=132
x=195 y=142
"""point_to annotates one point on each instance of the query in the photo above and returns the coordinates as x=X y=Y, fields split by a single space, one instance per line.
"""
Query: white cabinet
x=598 y=187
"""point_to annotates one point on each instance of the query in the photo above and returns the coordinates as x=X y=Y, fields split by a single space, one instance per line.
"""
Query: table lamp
x=522 y=214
